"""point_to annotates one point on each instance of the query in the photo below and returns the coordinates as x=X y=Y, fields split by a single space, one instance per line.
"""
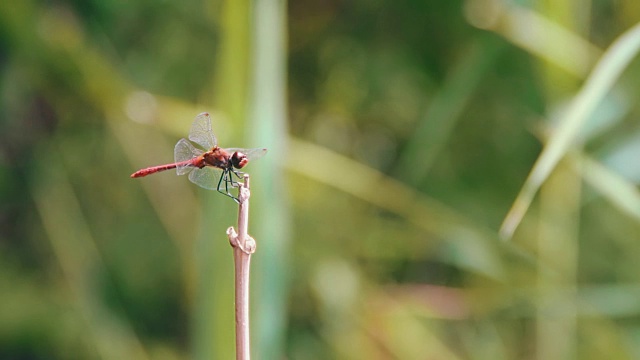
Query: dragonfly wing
x=207 y=177
x=252 y=154
x=201 y=132
x=184 y=151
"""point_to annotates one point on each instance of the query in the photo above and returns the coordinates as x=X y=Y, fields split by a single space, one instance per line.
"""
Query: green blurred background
x=400 y=133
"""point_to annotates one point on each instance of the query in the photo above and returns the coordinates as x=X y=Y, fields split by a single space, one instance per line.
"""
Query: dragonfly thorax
x=218 y=157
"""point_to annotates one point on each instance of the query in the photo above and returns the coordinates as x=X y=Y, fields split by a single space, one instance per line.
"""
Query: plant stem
x=243 y=246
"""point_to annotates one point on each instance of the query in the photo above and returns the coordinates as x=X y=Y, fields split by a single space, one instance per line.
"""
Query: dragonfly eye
x=239 y=160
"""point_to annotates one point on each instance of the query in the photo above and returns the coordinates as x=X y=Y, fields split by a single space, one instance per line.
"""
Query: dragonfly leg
x=218 y=188
x=230 y=180
x=238 y=174
x=225 y=177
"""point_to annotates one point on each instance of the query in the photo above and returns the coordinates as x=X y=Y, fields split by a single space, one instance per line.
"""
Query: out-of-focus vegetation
x=401 y=134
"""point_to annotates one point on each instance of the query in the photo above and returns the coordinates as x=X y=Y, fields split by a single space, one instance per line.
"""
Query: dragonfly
x=212 y=169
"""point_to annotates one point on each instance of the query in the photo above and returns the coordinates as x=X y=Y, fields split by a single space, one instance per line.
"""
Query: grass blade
x=605 y=74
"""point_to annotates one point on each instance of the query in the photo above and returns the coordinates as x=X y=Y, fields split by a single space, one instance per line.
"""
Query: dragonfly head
x=239 y=160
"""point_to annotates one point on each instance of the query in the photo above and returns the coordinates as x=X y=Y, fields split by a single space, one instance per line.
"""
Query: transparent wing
x=207 y=177
x=201 y=132
x=252 y=154
x=182 y=152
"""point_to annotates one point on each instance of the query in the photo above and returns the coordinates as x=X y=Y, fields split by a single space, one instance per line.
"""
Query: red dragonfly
x=212 y=169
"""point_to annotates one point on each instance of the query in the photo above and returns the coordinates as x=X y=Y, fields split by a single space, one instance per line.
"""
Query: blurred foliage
x=408 y=132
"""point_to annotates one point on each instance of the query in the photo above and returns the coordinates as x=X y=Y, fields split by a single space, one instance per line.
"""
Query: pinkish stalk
x=243 y=246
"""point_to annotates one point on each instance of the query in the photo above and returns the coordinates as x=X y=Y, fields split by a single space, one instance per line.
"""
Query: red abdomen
x=155 y=169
